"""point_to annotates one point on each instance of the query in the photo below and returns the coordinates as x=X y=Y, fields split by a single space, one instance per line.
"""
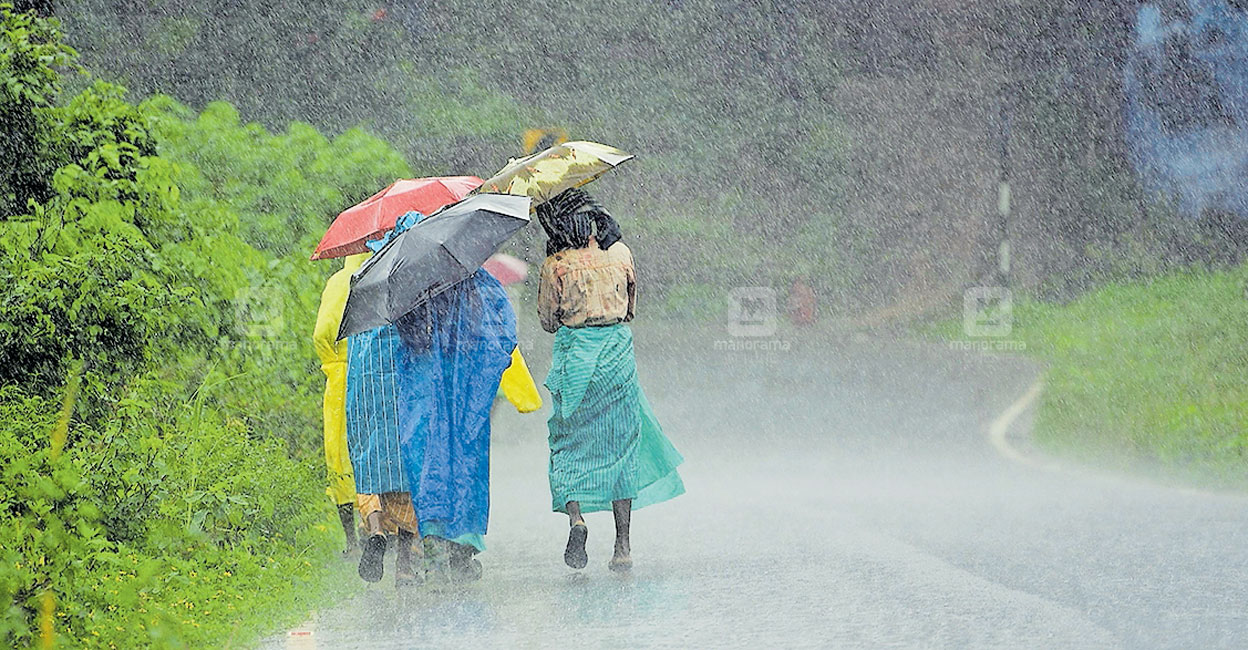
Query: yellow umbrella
x=545 y=174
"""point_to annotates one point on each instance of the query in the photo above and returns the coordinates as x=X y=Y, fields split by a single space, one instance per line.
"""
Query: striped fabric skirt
x=372 y=411
x=605 y=441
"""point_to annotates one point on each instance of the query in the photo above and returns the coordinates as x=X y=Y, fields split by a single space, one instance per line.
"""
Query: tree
x=31 y=51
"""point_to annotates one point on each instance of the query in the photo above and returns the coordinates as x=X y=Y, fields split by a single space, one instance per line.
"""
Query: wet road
x=841 y=493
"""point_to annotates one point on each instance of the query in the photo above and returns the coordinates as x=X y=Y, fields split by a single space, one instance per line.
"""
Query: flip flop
x=575 y=556
x=372 y=560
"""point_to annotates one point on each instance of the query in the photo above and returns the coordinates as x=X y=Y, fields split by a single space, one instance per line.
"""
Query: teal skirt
x=605 y=441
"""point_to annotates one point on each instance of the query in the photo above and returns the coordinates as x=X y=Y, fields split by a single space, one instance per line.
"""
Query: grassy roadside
x=1148 y=376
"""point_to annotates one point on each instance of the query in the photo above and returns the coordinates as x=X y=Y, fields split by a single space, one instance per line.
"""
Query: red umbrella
x=377 y=214
x=506 y=269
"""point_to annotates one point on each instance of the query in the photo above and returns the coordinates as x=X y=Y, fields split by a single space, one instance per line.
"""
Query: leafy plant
x=165 y=262
x=31 y=52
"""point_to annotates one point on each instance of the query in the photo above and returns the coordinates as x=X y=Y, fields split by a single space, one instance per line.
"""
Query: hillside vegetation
x=728 y=108
x=158 y=394
x=854 y=143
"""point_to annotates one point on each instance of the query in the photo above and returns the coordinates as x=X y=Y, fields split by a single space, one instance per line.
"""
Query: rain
x=888 y=324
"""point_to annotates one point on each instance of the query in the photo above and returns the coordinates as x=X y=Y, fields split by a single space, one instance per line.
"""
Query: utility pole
x=1004 y=123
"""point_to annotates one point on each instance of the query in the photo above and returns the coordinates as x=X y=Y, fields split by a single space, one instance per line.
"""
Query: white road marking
x=1000 y=426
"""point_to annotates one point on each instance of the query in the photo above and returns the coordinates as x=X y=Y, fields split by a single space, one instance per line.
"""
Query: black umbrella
x=429 y=258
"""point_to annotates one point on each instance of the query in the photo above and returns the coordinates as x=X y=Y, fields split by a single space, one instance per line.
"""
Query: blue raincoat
x=457 y=346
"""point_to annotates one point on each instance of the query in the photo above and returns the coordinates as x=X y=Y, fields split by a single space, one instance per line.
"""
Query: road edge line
x=998 y=430
x=1000 y=426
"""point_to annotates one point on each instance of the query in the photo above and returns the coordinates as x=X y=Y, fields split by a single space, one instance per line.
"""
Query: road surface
x=841 y=493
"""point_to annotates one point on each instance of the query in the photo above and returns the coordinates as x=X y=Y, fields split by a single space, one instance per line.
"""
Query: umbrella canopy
x=429 y=258
x=506 y=269
x=545 y=174
x=377 y=214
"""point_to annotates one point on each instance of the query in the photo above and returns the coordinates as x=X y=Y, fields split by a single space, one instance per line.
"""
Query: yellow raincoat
x=517 y=385
x=333 y=356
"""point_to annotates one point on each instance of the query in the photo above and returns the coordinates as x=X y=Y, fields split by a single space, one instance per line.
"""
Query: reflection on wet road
x=841 y=494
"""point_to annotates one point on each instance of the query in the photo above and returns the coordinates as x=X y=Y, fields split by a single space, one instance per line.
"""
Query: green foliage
x=719 y=101
x=281 y=188
x=278 y=193
x=84 y=272
x=1150 y=371
x=157 y=526
x=167 y=259
x=30 y=53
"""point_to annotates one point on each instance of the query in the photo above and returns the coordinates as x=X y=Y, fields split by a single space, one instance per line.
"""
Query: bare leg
x=622 y=560
x=574 y=555
x=373 y=523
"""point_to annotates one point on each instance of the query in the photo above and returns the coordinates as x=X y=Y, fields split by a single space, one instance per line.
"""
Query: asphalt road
x=841 y=493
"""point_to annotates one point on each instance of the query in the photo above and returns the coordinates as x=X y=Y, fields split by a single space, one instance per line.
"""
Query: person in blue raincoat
x=458 y=346
x=374 y=375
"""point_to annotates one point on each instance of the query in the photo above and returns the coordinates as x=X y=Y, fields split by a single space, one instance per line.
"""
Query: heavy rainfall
x=681 y=323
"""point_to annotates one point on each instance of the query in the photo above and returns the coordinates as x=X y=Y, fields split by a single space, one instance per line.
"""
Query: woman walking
x=607 y=450
x=375 y=372
x=333 y=354
x=459 y=347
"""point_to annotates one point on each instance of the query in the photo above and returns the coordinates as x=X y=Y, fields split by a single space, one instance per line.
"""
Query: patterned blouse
x=587 y=287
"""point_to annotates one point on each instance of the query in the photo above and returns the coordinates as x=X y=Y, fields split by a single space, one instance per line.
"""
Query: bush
x=86 y=274
x=31 y=52
x=155 y=527
x=164 y=265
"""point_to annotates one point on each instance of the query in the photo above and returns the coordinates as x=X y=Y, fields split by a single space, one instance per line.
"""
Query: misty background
x=859 y=144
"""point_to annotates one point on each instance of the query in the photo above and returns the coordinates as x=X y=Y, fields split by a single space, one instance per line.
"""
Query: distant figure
x=606 y=447
x=802 y=302
x=333 y=356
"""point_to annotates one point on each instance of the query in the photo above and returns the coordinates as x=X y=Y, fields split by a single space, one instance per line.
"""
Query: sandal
x=575 y=556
